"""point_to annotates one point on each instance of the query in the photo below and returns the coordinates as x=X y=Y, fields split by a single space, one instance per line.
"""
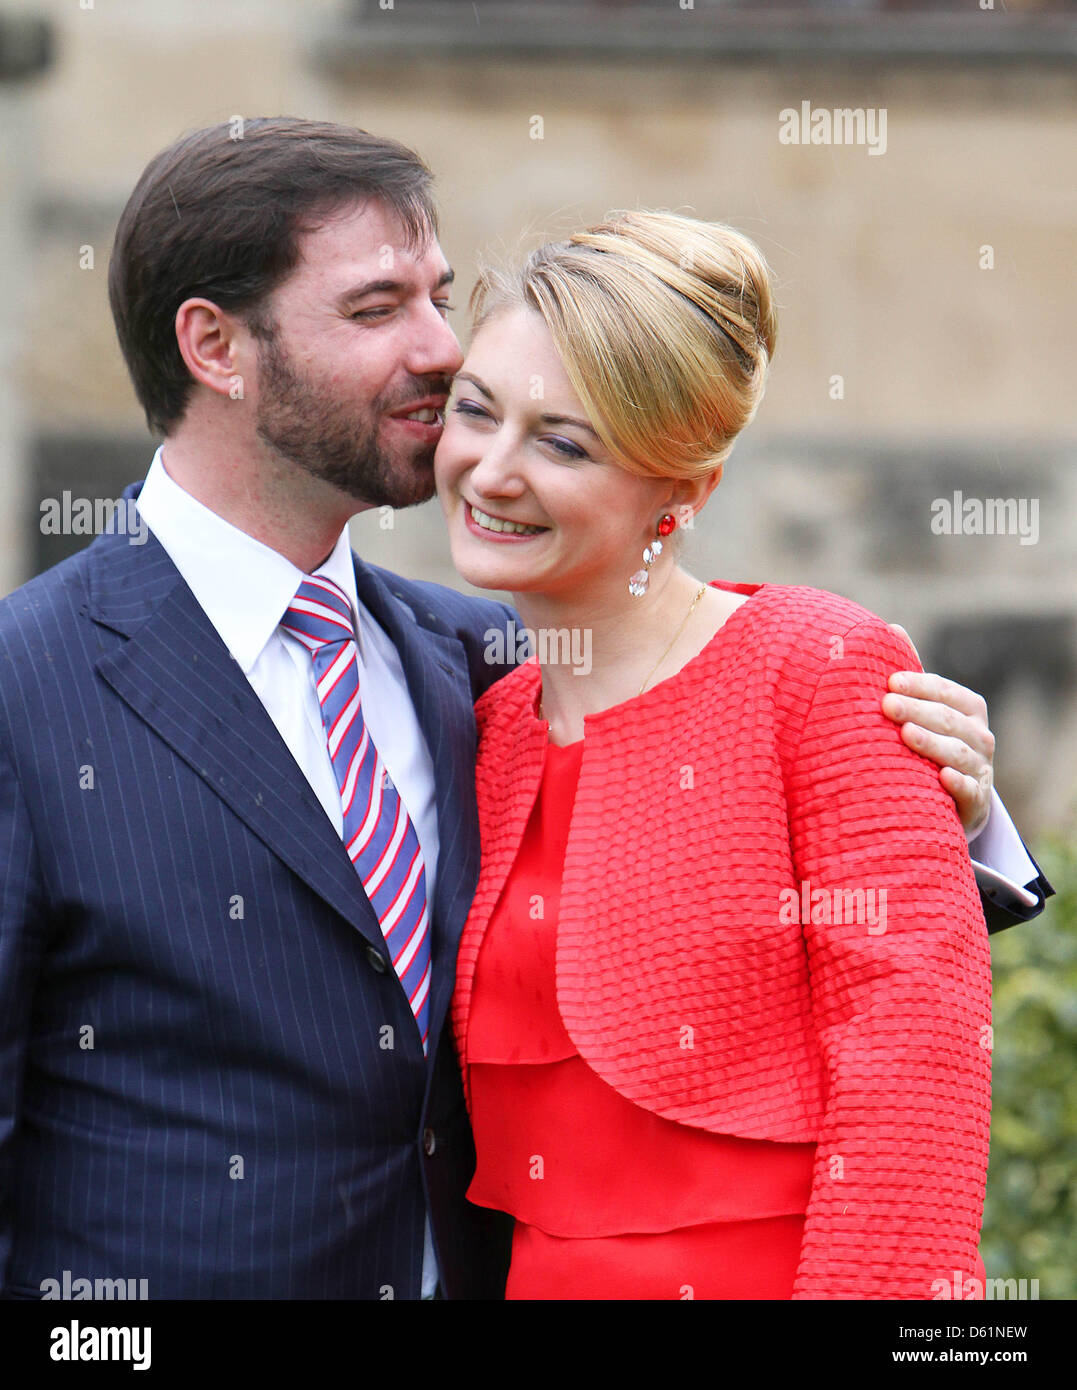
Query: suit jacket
x=210 y=1078
x=1002 y=912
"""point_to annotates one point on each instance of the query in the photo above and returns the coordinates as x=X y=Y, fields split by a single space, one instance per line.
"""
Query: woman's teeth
x=493 y=523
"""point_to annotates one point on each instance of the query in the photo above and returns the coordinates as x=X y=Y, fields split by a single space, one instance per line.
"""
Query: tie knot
x=319 y=613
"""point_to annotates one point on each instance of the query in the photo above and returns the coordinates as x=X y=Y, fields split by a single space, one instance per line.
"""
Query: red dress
x=610 y=1200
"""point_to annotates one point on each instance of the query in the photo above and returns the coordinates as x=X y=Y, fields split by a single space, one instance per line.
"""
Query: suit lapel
x=175 y=673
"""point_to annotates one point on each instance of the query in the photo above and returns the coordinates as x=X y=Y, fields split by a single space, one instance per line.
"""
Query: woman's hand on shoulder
x=947 y=723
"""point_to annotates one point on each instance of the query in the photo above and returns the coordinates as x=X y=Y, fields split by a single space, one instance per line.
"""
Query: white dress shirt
x=1000 y=859
x=244 y=588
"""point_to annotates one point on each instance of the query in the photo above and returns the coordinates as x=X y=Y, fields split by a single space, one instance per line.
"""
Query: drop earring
x=637 y=584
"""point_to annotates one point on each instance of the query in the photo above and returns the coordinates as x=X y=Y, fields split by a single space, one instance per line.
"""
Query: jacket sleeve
x=1002 y=910
x=20 y=951
x=899 y=965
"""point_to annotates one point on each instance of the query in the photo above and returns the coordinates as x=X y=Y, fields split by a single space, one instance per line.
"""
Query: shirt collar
x=243 y=586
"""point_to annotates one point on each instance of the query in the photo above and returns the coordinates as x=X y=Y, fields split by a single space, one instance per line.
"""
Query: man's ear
x=207 y=337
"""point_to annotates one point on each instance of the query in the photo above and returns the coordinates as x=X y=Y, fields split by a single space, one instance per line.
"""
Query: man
x=232 y=888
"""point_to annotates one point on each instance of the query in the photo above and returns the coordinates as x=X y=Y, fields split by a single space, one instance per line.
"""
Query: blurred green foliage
x=1030 y=1219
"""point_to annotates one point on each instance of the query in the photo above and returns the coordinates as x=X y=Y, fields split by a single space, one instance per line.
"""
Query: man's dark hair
x=220 y=215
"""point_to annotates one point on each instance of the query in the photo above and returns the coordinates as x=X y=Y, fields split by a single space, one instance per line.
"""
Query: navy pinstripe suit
x=232 y=1126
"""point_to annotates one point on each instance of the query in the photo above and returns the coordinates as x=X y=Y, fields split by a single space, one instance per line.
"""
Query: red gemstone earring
x=637 y=584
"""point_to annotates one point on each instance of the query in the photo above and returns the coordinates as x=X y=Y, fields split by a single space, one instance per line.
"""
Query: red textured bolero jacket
x=770 y=927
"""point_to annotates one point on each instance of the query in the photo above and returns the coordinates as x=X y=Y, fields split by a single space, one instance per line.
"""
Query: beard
x=305 y=423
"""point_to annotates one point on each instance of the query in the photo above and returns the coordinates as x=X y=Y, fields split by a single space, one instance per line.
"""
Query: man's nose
x=435 y=349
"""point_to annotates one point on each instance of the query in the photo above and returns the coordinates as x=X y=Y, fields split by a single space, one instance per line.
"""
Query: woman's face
x=518 y=448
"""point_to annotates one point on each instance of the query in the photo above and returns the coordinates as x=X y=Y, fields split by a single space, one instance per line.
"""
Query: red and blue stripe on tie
x=378 y=834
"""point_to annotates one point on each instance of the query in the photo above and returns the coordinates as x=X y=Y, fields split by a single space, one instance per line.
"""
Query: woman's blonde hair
x=665 y=326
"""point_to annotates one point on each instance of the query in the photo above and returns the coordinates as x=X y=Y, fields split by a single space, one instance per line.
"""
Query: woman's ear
x=691 y=496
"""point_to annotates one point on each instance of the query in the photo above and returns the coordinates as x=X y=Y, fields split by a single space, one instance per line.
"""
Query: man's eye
x=377 y=313
x=443 y=306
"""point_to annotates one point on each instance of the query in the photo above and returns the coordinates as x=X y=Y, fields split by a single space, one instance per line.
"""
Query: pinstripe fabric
x=245 y=1118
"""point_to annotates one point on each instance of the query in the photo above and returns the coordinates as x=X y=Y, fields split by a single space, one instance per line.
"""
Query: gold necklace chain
x=684 y=623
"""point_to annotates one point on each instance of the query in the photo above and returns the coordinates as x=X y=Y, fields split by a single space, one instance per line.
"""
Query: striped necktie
x=378 y=833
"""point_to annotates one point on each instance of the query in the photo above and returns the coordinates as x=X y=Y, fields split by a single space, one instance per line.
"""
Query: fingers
x=967 y=728
x=947 y=722
x=972 y=799
x=964 y=773
x=946 y=750
x=925 y=685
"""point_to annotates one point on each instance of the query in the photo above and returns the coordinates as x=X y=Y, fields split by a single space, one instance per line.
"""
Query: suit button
x=376 y=960
x=429 y=1142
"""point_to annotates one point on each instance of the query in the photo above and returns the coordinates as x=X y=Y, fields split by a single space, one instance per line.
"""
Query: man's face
x=351 y=343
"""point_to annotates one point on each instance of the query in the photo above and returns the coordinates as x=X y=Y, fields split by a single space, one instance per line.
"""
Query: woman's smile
x=498 y=528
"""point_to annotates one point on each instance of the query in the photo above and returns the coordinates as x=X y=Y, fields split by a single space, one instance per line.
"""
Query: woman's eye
x=566 y=448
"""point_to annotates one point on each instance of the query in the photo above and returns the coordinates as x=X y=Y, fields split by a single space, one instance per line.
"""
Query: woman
x=723 y=998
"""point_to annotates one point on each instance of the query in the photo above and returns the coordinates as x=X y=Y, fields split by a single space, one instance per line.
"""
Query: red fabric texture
x=704 y=809
x=678 y=1212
